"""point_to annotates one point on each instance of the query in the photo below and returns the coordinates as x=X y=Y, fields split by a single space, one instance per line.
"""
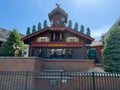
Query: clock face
x=58 y=21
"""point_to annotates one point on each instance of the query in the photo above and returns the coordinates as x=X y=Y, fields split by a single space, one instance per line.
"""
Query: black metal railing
x=25 y=80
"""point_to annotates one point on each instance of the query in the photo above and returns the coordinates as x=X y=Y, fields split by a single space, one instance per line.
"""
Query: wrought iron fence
x=10 y=80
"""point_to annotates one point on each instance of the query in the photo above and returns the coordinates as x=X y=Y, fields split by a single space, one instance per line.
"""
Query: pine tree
x=82 y=29
x=45 y=24
x=33 y=29
x=6 y=48
x=76 y=26
x=70 y=24
x=28 y=31
x=88 y=31
x=111 y=50
x=39 y=26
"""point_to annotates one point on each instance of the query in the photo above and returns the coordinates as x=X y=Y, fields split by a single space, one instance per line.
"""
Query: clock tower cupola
x=58 y=17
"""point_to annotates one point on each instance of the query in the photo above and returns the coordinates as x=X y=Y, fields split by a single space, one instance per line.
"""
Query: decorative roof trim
x=34 y=34
x=79 y=33
x=58 y=27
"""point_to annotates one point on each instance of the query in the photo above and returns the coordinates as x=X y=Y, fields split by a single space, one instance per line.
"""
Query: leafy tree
x=76 y=26
x=6 y=48
x=70 y=24
x=39 y=26
x=82 y=29
x=28 y=31
x=88 y=31
x=45 y=24
x=111 y=50
x=33 y=29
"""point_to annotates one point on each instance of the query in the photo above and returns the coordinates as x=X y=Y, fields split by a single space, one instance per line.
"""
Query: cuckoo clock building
x=56 y=48
x=58 y=41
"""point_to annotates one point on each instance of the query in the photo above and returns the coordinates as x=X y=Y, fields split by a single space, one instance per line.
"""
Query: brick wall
x=70 y=65
x=37 y=64
x=20 y=64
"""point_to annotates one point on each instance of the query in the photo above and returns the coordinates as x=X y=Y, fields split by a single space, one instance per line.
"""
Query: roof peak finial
x=58 y=5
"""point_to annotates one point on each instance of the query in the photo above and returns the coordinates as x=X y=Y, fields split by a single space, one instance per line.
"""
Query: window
x=43 y=39
x=72 y=39
x=63 y=19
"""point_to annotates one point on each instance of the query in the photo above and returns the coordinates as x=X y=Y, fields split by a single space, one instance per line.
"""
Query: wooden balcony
x=57 y=44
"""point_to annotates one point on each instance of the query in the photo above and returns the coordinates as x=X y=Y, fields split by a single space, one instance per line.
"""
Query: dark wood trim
x=56 y=10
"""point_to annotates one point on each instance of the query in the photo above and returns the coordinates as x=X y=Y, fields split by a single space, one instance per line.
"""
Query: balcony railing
x=57 y=44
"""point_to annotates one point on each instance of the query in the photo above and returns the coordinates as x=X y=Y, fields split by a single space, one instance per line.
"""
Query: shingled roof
x=117 y=22
x=4 y=34
x=56 y=10
x=57 y=28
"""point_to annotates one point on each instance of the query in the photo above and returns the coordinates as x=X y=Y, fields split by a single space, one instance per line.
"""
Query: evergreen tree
x=39 y=26
x=70 y=24
x=28 y=31
x=76 y=26
x=82 y=29
x=6 y=48
x=33 y=29
x=88 y=31
x=45 y=24
x=111 y=50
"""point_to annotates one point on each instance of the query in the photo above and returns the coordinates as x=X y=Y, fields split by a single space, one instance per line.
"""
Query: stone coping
x=19 y=58
x=37 y=58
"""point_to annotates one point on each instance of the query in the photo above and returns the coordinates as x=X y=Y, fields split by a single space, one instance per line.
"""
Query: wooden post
x=53 y=36
x=60 y=36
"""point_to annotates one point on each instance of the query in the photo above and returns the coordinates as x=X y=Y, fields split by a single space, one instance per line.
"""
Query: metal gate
x=10 y=80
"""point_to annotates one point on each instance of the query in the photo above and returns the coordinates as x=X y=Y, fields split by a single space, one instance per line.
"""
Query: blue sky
x=99 y=15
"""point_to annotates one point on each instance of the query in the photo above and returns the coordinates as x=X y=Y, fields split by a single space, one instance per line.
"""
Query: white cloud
x=97 y=32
